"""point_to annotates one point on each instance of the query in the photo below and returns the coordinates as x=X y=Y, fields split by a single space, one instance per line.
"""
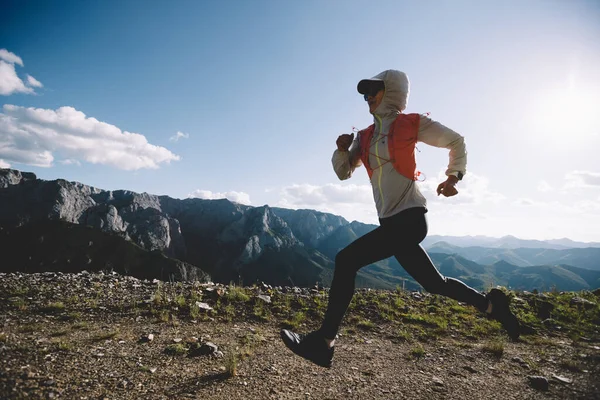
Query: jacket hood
x=397 y=88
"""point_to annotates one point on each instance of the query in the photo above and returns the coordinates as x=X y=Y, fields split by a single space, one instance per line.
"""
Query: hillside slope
x=111 y=336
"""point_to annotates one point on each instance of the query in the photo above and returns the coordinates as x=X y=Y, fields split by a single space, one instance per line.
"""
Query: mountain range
x=68 y=226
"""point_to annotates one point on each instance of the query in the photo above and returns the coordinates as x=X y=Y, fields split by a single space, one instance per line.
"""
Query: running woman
x=387 y=150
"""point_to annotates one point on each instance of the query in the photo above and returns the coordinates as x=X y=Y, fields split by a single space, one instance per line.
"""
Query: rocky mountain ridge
x=201 y=238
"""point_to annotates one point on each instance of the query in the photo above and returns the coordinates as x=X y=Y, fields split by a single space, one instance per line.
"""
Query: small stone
x=562 y=379
x=470 y=369
x=148 y=338
x=538 y=382
x=206 y=349
x=437 y=381
x=264 y=297
x=521 y=362
x=177 y=340
x=203 y=306
x=583 y=302
x=153 y=370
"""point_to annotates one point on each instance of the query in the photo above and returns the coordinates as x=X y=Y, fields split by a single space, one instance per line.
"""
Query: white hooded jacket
x=393 y=192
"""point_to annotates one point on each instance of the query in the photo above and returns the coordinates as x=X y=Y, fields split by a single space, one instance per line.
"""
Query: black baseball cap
x=370 y=86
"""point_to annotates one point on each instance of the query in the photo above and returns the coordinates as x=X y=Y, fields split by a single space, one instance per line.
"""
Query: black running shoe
x=311 y=346
x=501 y=312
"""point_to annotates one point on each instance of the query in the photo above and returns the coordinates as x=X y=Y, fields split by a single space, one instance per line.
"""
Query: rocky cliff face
x=217 y=236
x=310 y=226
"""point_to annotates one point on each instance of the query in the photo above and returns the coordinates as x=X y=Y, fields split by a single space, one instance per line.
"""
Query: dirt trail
x=106 y=354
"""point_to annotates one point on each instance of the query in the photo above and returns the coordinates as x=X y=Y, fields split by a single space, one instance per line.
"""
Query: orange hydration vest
x=402 y=141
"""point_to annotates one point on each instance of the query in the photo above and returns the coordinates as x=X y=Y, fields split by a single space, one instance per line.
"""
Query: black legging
x=397 y=236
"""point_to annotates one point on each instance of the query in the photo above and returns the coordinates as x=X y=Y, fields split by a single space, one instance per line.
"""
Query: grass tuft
x=236 y=294
x=231 y=364
x=104 y=336
x=494 y=347
x=176 y=349
x=417 y=352
x=55 y=307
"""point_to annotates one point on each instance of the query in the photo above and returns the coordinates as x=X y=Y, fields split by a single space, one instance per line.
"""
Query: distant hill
x=507 y=242
x=545 y=277
x=581 y=257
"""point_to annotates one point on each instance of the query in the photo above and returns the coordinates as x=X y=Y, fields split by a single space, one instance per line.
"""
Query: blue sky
x=260 y=90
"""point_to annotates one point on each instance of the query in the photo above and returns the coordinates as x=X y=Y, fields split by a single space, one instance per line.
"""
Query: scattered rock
x=437 y=381
x=205 y=349
x=147 y=338
x=562 y=379
x=203 y=306
x=580 y=301
x=177 y=340
x=265 y=298
x=539 y=383
x=521 y=362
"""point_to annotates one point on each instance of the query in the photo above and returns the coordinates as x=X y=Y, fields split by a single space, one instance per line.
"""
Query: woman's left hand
x=447 y=188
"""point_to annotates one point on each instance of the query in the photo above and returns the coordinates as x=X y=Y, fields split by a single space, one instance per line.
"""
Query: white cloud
x=69 y=161
x=544 y=186
x=353 y=202
x=237 y=197
x=582 y=179
x=10 y=57
x=473 y=189
x=179 y=135
x=10 y=82
x=4 y=164
x=524 y=202
x=31 y=81
x=32 y=136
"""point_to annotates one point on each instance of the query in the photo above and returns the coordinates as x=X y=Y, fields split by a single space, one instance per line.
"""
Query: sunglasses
x=373 y=90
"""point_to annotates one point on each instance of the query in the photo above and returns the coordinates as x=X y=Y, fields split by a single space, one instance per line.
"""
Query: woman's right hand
x=344 y=141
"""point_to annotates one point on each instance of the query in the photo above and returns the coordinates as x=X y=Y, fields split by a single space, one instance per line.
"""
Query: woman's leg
x=370 y=248
x=413 y=258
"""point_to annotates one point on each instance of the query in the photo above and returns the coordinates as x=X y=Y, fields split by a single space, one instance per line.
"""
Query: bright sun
x=569 y=114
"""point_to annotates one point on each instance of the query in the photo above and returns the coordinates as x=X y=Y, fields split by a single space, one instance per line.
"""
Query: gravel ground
x=96 y=347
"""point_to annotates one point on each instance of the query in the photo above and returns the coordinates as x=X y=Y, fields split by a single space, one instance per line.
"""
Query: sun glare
x=571 y=114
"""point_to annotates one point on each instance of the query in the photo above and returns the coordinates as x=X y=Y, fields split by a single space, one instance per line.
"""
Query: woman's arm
x=435 y=134
x=345 y=161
